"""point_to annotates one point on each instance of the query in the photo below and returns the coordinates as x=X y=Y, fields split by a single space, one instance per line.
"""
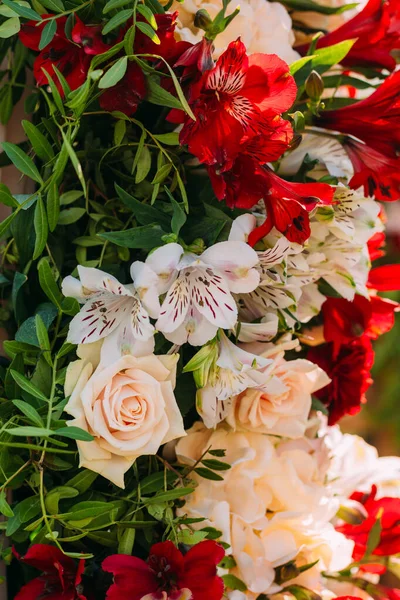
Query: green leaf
x=145 y=238
x=189 y=537
x=169 y=495
x=41 y=228
x=40 y=143
x=322 y=60
x=148 y=15
x=26 y=385
x=298 y=64
x=27 y=332
x=374 y=536
x=302 y=593
x=78 y=97
x=208 y=474
x=217 y=452
x=5 y=508
x=6 y=197
x=70 y=215
x=49 y=31
x=149 y=31
x=22 y=161
x=54 y=496
x=178 y=217
x=5 y=224
x=70 y=197
x=157 y=95
x=53 y=206
x=143 y=165
x=24 y=511
x=306 y=5
x=10 y=27
x=119 y=132
x=74 y=433
x=55 y=5
x=162 y=173
x=83 y=480
x=114 y=73
x=29 y=411
x=117 y=20
x=43 y=338
x=22 y=10
x=55 y=93
x=169 y=139
x=29 y=431
x=215 y=465
x=111 y=4
x=75 y=162
x=234 y=583
x=48 y=283
x=144 y=213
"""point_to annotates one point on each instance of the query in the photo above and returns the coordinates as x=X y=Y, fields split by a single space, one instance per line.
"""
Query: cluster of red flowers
x=167 y=574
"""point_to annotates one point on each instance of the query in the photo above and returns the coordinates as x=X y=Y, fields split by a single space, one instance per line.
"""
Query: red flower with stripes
x=241 y=97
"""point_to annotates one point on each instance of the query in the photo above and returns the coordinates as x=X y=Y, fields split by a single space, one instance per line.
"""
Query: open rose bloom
x=193 y=285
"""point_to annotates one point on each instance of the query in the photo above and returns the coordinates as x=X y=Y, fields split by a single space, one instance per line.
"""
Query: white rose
x=282 y=406
x=262 y=26
x=129 y=407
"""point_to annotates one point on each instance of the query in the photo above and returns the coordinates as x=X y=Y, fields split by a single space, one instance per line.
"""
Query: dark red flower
x=374 y=120
x=60 y=579
x=385 y=278
x=349 y=371
x=388 y=510
x=169 y=48
x=192 y=576
x=241 y=97
x=345 y=321
x=72 y=58
x=127 y=94
x=376 y=31
x=377 y=173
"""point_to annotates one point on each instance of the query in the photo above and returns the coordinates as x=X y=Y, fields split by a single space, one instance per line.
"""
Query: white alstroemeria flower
x=110 y=309
x=235 y=371
x=199 y=289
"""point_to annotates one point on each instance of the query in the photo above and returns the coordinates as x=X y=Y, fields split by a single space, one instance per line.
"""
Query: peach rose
x=129 y=407
x=283 y=405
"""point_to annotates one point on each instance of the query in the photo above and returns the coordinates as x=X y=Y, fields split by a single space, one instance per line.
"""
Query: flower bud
x=202 y=19
x=314 y=86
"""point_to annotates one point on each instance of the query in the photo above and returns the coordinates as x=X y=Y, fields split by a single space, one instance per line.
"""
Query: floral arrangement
x=191 y=296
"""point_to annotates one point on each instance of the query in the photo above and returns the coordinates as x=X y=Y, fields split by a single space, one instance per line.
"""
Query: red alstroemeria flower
x=385 y=278
x=388 y=509
x=127 y=94
x=377 y=173
x=167 y=574
x=376 y=245
x=60 y=579
x=374 y=120
x=240 y=97
x=72 y=59
x=345 y=321
x=169 y=48
x=350 y=376
x=375 y=30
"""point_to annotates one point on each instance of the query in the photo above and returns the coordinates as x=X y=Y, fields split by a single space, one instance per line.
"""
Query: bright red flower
x=169 y=48
x=376 y=31
x=168 y=574
x=388 y=509
x=241 y=97
x=60 y=579
x=376 y=245
x=374 y=120
x=345 y=321
x=72 y=58
x=385 y=278
x=350 y=376
x=377 y=173
x=127 y=94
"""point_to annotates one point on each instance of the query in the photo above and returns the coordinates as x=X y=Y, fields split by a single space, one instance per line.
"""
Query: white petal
x=210 y=295
x=275 y=255
x=235 y=260
x=175 y=306
x=98 y=317
x=97 y=280
x=164 y=262
x=146 y=284
x=195 y=330
x=242 y=227
x=259 y=332
x=120 y=343
x=72 y=288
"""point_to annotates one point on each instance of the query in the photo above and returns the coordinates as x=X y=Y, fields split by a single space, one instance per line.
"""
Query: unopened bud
x=353 y=513
x=314 y=86
x=197 y=246
x=202 y=19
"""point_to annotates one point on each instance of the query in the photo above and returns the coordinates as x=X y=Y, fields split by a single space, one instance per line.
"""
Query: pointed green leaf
x=30 y=431
x=149 y=31
x=10 y=27
x=6 y=197
x=22 y=161
x=5 y=224
x=48 y=32
x=157 y=95
x=144 y=213
x=114 y=74
x=41 y=228
x=75 y=162
x=53 y=206
x=48 y=283
x=40 y=143
x=26 y=385
x=117 y=20
x=55 y=5
x=146 y=237
x=112 y=4
x=22 y=10
x=29 y=411
x=74 y=433
x=148 y=15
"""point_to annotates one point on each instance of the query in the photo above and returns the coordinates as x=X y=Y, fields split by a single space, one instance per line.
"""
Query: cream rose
x=282 y=406
x=129 y=407
x=262 y=26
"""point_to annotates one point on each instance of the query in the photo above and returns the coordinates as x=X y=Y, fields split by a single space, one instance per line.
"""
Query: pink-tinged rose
x=129 y=407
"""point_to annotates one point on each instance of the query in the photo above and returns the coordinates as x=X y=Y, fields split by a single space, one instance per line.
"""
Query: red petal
x=89 y=37
x=127 y=94
x=31 y=32
x=269 y=84
x=170 y=552
x=385 y=278
x=32 y=590
x=291 y=219
x=46 y=558
x=132 y=577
